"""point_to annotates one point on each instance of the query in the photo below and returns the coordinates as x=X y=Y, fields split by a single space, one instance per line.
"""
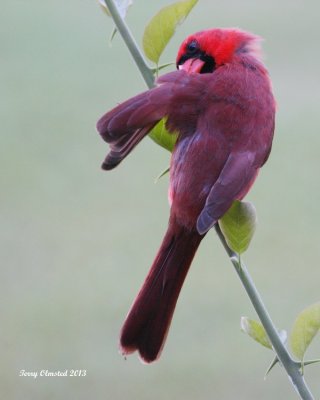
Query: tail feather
x=146 y=326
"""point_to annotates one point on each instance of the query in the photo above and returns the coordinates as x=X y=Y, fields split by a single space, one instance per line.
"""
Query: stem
x=131 y=43
x=291 y=367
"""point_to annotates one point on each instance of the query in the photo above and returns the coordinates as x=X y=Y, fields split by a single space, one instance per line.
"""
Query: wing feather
x=237 y=173
x=128 y=123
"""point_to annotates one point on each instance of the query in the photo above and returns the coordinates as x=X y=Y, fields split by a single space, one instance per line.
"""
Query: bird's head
x=205 y=51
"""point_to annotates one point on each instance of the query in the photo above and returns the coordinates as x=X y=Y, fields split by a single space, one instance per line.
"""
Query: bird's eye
x=193 y=47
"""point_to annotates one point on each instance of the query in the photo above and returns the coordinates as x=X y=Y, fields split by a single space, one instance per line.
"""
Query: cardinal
x=219 y=102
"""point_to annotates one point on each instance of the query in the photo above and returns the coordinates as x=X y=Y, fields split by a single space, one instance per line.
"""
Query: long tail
x=146 y=326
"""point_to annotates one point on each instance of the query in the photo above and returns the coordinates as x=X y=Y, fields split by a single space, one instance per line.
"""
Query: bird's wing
x=121 y=147
x=126 y=125
x=235 y=178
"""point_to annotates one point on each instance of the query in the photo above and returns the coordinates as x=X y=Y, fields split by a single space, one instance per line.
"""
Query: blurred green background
x=76 y=242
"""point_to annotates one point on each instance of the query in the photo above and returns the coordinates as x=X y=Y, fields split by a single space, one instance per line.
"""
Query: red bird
x=221 y=105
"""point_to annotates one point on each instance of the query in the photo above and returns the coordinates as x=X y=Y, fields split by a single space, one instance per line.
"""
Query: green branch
x=291 y=367
x=129 y=40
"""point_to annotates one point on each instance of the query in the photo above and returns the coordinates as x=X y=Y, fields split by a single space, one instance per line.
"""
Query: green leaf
x=162 y=27
x=162 y=137
x=305 y=327
x=238 y=225
x=255 y=330
x=122 y=6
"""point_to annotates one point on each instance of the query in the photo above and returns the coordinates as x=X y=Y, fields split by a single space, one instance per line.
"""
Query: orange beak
x=192 y=65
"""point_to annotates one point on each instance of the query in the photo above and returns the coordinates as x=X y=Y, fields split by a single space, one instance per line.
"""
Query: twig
x=291 y=367
x=129 y=40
